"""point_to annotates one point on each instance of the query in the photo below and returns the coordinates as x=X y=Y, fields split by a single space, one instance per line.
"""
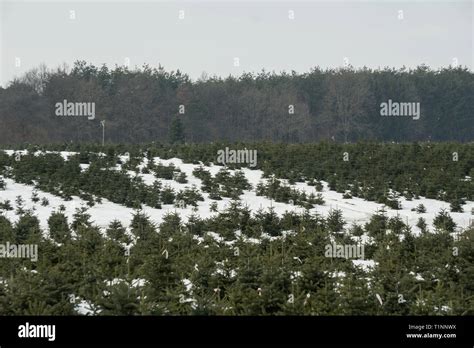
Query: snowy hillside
x=353 y=209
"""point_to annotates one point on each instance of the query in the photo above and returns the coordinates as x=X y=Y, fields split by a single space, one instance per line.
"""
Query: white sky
x=213 y=33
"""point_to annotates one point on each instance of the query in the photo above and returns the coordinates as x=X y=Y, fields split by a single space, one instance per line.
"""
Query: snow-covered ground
x=354 y=209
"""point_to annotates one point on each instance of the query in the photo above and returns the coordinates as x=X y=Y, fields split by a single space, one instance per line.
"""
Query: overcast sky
x=213 y=34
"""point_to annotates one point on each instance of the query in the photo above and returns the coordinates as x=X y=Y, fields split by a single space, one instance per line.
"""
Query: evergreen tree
x=335 y=220
x=59 y=227
x=176 y=132
x=443 y=221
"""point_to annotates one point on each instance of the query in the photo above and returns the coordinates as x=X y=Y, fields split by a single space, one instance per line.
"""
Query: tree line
x=151 y=104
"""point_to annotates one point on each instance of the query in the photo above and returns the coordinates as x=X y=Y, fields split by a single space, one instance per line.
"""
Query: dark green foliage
x=286 y=275
x=444 y=222
x=167 y=195
x=176 y=131
x=421 y=224
x=420 y=208
x=189 y=196
x=274 y=189
x=335 y=221
x=456 y=206
x=59 y=228
x=164 y=172
x=6 y=205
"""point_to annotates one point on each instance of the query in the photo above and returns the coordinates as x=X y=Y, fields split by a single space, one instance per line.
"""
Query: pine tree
x=421 y=224
x=176 y=132
x=456 y=206
x=27 y=229
x=59 y=227
x=443 y=221
x=117 y=232
x=335 y=220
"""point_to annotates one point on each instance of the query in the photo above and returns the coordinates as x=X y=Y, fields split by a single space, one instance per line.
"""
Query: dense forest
x=153 y=105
